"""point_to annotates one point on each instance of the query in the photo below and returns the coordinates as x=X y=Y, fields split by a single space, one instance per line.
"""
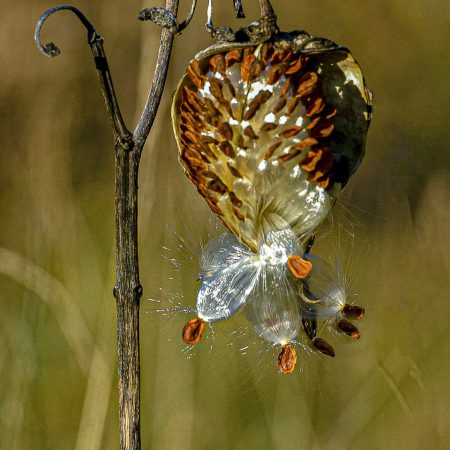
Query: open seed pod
x=270 y=129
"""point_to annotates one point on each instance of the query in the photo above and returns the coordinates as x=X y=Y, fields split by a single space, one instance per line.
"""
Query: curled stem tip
x=51 y=49
x=165 y=18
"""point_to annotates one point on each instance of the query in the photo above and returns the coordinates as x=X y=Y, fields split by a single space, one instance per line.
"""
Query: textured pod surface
x=270 y=133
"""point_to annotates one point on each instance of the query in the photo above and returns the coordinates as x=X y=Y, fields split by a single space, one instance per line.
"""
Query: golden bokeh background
x=58 y=368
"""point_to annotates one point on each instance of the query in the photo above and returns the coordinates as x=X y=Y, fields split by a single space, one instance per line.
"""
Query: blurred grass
x=57 y=317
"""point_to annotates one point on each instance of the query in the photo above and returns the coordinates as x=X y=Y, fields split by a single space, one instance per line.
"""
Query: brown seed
x=311 y=160
x=255 y=104
x=348 y=328
x=307 y=83
x=216 y=89
x=288 y=156
x=218 y=63
x=287 y=359
x=313 y=123
x=226 y=131
x=271 y=150
x=323 y=130
x=234 y=171
x=228 y=88
x=353 y=312
x=233 y=56
x=193 y=331
x=285 y=54
x=299 y=267
x=280 y=105
x=217 y=185
x=268 y=127
x=291 y=132
x=238 y=214
x=315 y=107
x=255 y=70
x=227 y=149
x=305 y=143
x=246 y=66
x=324 y=347
x=250 y=133
x=324 y=182
x=266 y=52
x=286 y=87
x=294 y=67
x=236 y=201
x=275 y=73
x=293 y=102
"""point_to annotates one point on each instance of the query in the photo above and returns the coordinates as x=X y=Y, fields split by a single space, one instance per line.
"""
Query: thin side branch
x=159 y=78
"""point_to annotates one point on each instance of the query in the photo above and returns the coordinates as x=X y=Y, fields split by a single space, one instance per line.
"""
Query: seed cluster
x=256 y=104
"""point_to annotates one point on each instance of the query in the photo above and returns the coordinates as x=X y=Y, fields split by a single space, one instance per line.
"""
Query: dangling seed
x=348 y=328
x=324 y=347
x=310 y=327
x=299 y=267
x=353 y=312
x=287 y=359
x=193 y=331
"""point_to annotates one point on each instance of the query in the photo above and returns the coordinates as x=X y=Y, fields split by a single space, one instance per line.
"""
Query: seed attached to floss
x=353 y=312
x=193 y=331
x=299 y=267
x=324 y=347
x=287 y=359
x=348 y=328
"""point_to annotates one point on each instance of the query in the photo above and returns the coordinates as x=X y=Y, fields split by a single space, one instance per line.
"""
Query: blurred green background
x=390 y=390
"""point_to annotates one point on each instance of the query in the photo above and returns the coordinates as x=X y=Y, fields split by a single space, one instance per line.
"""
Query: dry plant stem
x=128 y=150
